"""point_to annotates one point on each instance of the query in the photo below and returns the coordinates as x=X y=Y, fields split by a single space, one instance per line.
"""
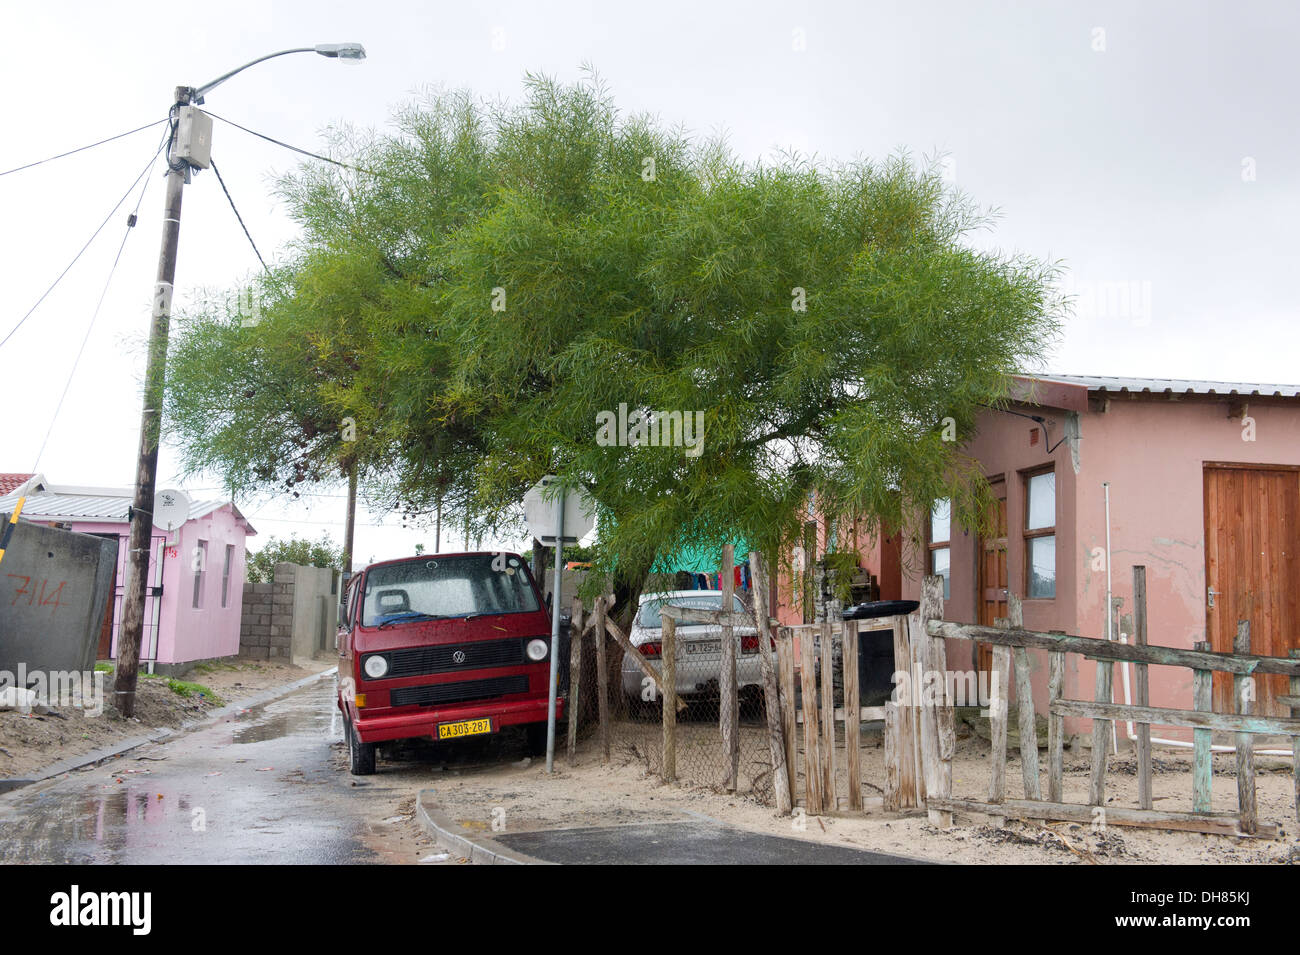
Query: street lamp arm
x=209 y=87
x=347 y=51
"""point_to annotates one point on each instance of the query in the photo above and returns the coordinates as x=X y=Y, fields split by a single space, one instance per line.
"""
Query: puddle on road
x=292 y=717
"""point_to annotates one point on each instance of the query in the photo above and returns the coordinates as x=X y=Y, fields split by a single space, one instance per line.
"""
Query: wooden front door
x=1252 y=535
x=992 y=558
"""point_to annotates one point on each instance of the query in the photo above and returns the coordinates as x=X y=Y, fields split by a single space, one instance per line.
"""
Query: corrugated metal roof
x=1174 y=386
x=92 y=504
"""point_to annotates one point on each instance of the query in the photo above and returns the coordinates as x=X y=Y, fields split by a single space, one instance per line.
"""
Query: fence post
x=575 y=676
x=669 y=688
x=602 y=676
x=1143 y=686
x=1295 y=742
x=829 y=799
x=1202 y=756
x=789 y=718
x=1055 y=726
x=1101 y=728
x=938 y=733
x=812 y=761
x=1028 y=725
x=852 y=716
x=905 y=749
x=892 y=784
x=729 y=704
x=998 y=708
x=782 y=773
x=1245 y=693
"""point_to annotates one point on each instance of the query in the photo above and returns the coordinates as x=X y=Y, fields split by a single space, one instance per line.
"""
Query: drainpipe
x=1110 y=614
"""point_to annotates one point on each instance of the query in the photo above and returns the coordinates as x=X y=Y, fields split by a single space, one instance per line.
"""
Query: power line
x=130 y=225
x=92 y=238
x=305 y=152
x=80 y=149
x=238 y=216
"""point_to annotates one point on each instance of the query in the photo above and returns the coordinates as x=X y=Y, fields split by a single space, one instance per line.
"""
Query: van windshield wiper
x=410 y=617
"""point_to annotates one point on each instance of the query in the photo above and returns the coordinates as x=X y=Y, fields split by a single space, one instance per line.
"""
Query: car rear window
x=648 y=616
x=446 y=587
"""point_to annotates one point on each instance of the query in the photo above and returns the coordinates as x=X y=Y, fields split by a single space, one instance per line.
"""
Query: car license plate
x=464 y=728
x=704 y=646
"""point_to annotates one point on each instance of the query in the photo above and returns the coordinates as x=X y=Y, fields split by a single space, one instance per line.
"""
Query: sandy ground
x=29 y=743
x=627 y=790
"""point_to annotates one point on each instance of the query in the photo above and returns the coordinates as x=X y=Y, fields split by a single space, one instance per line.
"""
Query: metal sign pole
x=556 y=593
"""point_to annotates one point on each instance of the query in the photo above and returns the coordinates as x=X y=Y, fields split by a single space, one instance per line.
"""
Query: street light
x=189 y=148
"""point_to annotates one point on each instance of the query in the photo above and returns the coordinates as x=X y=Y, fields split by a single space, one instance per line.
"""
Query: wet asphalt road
x=267 y=786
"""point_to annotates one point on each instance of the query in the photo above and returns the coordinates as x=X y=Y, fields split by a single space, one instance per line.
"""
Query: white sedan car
x=699 y=649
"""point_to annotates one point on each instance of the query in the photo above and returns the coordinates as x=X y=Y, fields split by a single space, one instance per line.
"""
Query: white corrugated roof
x=111 y=505
x=1174 y=386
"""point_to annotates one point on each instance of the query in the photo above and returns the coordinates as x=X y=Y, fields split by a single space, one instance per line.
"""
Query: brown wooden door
x=1252 y=534
x=992 y=558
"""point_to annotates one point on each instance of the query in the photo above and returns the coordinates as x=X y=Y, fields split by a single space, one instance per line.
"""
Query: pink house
x=196 y=572
x=1197 y=482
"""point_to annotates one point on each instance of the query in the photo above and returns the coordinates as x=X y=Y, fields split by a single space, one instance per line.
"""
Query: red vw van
x=446 y=646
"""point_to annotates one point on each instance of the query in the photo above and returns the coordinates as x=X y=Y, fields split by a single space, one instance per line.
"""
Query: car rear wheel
x=361 y=756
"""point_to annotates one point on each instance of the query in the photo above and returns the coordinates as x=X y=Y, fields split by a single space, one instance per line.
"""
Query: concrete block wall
x=288 y=607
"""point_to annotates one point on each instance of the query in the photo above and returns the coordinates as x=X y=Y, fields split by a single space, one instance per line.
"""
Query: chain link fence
x=636 y=703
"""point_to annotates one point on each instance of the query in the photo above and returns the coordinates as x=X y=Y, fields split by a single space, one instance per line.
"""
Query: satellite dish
x=171 y=509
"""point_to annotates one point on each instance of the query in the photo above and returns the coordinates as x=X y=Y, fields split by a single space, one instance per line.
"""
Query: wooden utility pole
x=349 y=531
x=146 y=480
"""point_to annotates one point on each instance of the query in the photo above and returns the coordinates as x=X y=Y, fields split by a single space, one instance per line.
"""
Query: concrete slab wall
x=54 y=589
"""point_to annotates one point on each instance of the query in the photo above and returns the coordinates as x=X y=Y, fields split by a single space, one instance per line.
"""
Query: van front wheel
x=361 y=756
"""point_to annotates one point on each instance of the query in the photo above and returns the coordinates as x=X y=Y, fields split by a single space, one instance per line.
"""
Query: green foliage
x=186 y=689
x=294 y=550
x=825 y=319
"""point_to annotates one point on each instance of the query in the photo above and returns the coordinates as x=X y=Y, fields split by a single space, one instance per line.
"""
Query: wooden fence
x=919 y=736
x=1012 y=643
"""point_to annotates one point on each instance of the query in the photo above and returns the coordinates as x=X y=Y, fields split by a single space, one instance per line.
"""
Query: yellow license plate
x=464 y=728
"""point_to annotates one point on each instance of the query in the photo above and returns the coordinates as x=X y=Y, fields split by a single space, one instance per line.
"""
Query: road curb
x=479 y=850
x=95 y=757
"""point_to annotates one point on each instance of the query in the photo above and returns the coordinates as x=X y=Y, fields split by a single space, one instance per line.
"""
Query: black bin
x=876 y=648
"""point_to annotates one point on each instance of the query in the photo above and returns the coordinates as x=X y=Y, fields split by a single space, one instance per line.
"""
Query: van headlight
x=376 y=666
x=537 y=650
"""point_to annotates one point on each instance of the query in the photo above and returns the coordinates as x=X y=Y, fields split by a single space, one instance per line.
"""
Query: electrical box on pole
x=194 y=137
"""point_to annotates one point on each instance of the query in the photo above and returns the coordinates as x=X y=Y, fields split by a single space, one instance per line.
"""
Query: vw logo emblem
x=458 y=656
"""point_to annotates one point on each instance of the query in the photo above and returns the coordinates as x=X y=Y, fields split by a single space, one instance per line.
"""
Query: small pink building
x=1200 y=482
x=196 y=572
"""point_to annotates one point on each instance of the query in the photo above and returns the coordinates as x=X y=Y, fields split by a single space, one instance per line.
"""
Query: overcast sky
x=1150 y=147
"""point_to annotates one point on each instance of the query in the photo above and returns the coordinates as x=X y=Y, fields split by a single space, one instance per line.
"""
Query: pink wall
x=209 y=630
x=1151 y=452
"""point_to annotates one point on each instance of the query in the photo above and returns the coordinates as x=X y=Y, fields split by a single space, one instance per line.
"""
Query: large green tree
x=503 y=279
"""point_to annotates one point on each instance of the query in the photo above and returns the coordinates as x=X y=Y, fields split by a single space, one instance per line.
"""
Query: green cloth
x=699 y=559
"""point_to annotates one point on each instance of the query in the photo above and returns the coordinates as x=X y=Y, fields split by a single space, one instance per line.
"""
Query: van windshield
x=446 y=587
